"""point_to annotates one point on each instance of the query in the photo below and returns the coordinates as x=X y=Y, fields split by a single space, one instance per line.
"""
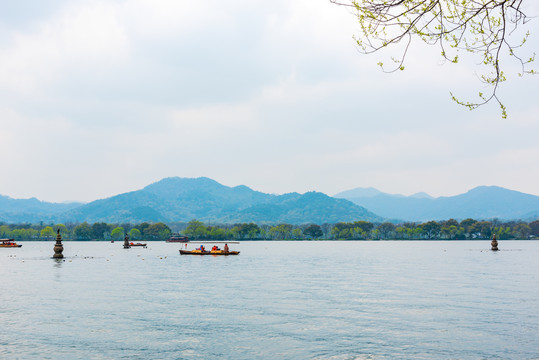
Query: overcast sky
x=99 y=98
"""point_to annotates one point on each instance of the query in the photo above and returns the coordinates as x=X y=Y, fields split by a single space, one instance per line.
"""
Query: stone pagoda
x=58 y=247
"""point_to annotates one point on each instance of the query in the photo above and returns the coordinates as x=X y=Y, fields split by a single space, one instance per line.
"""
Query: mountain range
x=183 y=199
x=483 y=202
x=30 y=210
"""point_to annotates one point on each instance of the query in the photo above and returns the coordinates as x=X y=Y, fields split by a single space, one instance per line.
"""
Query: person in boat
x=202 y=248
x=226 y=248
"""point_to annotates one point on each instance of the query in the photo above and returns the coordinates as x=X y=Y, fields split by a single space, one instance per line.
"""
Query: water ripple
x=285 y=300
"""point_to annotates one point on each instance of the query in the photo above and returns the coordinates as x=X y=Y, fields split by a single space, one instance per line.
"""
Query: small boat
x=178 y=238
x=212 y=252
x=137 y=244
x=9 y=243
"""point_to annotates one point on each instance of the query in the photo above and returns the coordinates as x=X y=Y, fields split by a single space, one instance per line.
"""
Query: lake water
x=276 y=300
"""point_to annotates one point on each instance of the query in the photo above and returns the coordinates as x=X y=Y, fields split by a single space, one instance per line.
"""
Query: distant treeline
x=468 y=229
x=85 y=231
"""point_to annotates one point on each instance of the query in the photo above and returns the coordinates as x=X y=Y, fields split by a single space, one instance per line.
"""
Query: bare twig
x=480 y=27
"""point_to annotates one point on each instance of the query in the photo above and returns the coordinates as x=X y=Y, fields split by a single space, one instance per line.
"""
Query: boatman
x=226 y=248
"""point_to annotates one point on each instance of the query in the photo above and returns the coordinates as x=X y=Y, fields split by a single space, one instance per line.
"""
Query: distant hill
x=30 y=210
x=311 y=207
x=421 y=195
x=360 y=193
x=483 y=202
x=183 y=199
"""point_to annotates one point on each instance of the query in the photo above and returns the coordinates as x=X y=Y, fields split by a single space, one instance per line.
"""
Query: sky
x=99 y=98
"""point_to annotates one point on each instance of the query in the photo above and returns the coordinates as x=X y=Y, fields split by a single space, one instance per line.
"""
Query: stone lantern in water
x=58 y=247
x=494 y=243
x=126 y=242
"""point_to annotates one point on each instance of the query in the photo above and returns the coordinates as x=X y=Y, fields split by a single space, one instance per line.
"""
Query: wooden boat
x=137 y=244
x=9 y=243
x=212 y=252
x=177 y=238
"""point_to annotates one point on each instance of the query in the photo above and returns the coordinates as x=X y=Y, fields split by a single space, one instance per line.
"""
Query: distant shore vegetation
x=468 y=229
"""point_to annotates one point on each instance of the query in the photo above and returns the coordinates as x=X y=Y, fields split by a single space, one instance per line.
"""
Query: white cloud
x=212 y=123
x=80 y=39
x=104 y=97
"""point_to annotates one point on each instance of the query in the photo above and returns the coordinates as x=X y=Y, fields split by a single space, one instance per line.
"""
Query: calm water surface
x=276 y=300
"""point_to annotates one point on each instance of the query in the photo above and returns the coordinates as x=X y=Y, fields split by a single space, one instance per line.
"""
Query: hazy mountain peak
x=242 y=188
x=421 y=195
x=174 y=186
x=358 y=192
x=489 y=189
